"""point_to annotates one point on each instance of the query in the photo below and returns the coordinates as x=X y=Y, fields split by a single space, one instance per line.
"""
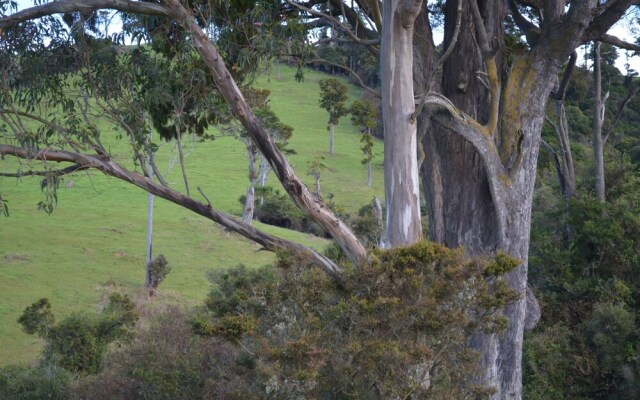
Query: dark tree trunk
x=454 y=178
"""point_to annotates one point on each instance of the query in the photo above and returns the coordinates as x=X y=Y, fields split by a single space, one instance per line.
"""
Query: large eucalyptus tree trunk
x=400 y=139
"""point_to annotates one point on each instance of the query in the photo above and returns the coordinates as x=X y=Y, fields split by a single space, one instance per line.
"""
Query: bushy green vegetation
x=397 y=328
x=585 y=271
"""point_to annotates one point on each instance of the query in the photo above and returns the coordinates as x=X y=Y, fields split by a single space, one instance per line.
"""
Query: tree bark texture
x=480 y=179
x=400 y=135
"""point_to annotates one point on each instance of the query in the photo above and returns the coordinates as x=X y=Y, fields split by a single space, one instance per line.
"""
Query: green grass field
x=94 y=242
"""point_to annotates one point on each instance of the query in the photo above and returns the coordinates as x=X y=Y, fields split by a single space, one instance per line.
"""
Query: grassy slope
x=95 y=239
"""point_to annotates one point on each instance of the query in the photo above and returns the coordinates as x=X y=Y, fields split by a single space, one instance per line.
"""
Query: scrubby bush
x=168 y=361
x=585 y=274
x=396 y=328
x=158 y=270
x=42 y=382
x=78 y=342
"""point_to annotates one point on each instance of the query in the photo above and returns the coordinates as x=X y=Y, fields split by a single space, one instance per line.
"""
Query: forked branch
x=488 y=56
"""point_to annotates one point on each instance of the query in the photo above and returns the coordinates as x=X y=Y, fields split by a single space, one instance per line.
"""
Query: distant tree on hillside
x=364 y=116
x=333 y=97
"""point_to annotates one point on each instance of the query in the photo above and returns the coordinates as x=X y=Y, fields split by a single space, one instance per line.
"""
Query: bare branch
x=334 y=20
x=556 y=159
x=623 y=104
x=309 y=203
x=353 y=74
x=616 y=41
x=488 y=55
x=59 y=172
x=109 y=167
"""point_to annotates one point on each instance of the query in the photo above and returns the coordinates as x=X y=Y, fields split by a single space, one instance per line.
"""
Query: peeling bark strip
x=111 y=168
x=400 y=134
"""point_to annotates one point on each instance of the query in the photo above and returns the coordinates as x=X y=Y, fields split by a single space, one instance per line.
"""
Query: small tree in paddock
x=333 y=95
x=364 y=116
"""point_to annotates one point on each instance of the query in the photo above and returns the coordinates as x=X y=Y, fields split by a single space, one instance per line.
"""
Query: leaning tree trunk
x=400 y=162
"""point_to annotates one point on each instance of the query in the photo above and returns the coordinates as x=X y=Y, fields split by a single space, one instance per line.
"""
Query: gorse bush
x=397 y=328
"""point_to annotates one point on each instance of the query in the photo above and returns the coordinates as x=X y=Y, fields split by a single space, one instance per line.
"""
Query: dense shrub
x=585 y=273
x=168 y=361
x=158 y=270
x=38 y=383
x=78 y=342
x=397 y=328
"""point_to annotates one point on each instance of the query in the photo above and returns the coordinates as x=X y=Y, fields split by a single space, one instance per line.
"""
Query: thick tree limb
x=488 y=56
x=109 y=167
x=447 y=114
x=616 y=41
x=566 y=77
x=66 y=6
x=528 y=27
x=607 y=15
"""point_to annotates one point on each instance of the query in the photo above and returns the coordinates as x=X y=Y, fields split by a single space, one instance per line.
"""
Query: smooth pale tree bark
x=400 y=135
x=598 y=120
x=332 y=132
x=249 y=204
x=149 y=252
x=564 y=161
x=263 y=173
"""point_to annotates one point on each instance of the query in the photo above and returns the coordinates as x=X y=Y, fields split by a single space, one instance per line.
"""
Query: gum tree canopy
x=472 y=114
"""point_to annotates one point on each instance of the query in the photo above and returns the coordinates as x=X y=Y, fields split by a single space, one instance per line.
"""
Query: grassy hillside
x=94 y=242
